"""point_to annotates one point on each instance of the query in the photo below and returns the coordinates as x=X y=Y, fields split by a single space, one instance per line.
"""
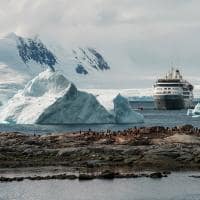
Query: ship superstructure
x=173 y=92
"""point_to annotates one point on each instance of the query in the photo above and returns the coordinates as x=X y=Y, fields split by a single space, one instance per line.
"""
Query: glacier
x=50 y=98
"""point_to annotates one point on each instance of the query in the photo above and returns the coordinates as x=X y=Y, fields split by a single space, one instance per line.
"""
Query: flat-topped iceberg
x=51 y=99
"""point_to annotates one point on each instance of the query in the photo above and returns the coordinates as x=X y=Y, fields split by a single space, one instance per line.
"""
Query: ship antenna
x=172 y=64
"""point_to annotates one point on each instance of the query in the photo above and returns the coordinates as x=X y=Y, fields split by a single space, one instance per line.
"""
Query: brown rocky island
x=108 y=154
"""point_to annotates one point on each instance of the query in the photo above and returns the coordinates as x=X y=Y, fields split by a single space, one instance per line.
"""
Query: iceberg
x=124 y=113
x=75 y=107
x=119 y=106
x=194 y=112
x=21 y=59
x=50 y=98
x=197 y=109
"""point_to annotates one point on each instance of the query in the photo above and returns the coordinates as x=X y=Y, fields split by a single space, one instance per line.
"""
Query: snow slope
x=21 y=59
x=51 y=99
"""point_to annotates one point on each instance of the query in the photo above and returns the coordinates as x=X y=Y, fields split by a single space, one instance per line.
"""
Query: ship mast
x=174 y=73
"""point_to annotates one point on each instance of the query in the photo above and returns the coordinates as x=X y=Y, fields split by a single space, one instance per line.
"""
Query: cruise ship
x=173 y=92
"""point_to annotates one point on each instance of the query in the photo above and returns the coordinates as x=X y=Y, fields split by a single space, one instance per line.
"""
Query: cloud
x=133 y=34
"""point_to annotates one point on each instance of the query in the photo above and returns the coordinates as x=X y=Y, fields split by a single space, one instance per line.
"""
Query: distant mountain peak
x=101 y=63
x=34 y=49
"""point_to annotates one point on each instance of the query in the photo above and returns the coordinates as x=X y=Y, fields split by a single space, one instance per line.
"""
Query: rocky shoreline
x=91 y=153
x=81 y=177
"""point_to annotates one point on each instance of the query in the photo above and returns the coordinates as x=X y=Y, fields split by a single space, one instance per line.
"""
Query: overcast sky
x=143 y=36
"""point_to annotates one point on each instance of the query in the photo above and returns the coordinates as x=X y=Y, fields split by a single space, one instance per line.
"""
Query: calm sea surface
x=178 y=186
x=152 y=118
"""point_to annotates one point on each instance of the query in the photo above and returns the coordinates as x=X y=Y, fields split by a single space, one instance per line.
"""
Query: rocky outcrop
x=131 y=149
x=35 y=50
x=85 y=177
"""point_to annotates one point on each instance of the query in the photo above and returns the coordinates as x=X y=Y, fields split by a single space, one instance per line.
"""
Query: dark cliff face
x=101 y=63
x=81 y=70
x=35 y=50
x=93 y=59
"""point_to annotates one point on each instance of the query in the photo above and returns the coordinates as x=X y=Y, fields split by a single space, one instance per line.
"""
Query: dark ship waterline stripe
x=169 y=102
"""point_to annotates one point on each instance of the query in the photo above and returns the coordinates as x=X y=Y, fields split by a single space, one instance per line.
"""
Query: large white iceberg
x=51 y=99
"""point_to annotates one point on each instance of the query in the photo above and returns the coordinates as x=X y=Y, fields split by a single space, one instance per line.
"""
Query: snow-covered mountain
x=21 y=59
x=50 y=98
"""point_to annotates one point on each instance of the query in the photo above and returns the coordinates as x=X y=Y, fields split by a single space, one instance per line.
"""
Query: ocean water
x=152 y=117
x=178 y=186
